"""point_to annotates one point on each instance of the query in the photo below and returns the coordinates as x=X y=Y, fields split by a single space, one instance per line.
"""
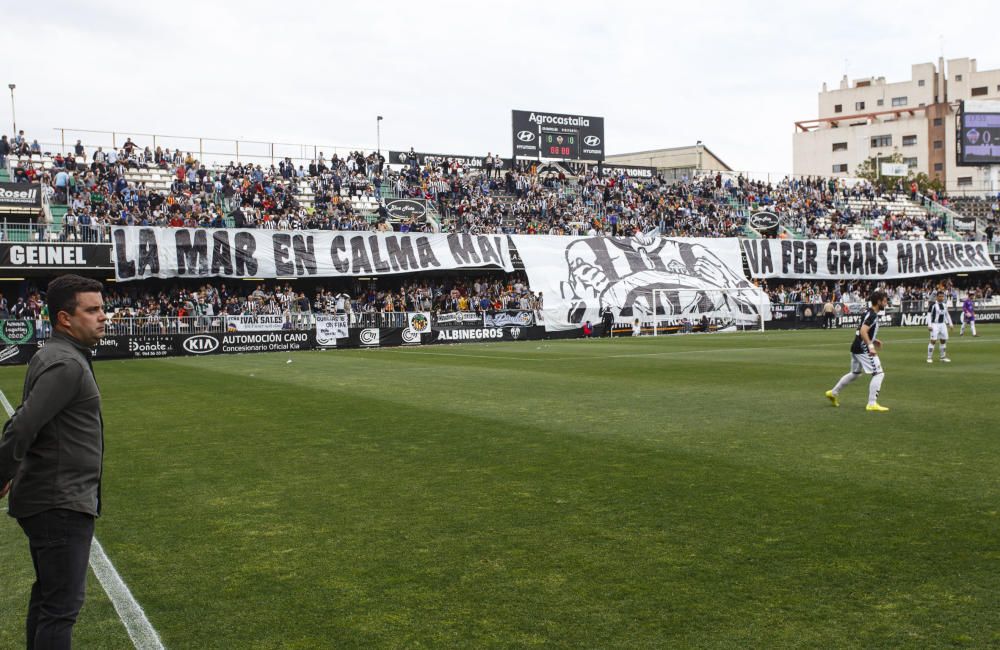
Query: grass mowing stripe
x=129 y=611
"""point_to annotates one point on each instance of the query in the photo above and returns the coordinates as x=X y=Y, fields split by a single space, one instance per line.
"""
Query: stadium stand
x=143 y=186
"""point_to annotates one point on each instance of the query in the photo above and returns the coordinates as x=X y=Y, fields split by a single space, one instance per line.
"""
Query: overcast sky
x=445 y=75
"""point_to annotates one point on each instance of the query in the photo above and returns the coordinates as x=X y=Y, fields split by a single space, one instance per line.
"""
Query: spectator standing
x=51 y=457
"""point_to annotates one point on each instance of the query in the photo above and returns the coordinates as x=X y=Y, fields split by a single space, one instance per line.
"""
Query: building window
x=838 y=108
x=909 y=140
x=881 y=141
x=938 y=121
x=840 y=146
x=840 y=169
x=920 y=83
x=859 y=106
x=910 y=162
x=899 y=101
x=964 y=181
x=880 y=102
x=979 y=92
x=939 y=144
x=938 y=167
x=958 y=77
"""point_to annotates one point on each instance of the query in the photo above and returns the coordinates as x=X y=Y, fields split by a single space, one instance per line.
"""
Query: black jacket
x=53 y=447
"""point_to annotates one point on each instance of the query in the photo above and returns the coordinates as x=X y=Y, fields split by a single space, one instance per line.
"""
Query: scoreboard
x=558 y=136
x=561 y=144
x=978 y=133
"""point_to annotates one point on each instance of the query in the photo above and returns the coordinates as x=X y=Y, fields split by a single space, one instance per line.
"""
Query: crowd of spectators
x=99 y=193
x=438 y=294
x=856 y=292
x=527 y=199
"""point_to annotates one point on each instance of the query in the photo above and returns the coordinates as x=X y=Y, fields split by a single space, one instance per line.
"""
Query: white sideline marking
x=139 y=629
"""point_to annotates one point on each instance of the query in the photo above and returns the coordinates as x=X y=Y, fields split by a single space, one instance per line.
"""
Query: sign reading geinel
x=141 y=253
x=863 y=260
x=55 y=256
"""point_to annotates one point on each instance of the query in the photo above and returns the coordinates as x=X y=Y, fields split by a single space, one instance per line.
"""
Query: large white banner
x=329 y=328
x=832 y=259
x=681 y=278
x=141 y=253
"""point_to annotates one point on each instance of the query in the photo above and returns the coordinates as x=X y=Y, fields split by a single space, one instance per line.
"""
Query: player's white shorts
x=939 y=332
x=865 y=363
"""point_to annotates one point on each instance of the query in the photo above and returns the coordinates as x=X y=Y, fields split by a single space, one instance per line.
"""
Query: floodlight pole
x=13 y=117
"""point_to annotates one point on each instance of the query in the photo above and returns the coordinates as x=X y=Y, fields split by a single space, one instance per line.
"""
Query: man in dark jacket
x=51 y=457
x=4 y=151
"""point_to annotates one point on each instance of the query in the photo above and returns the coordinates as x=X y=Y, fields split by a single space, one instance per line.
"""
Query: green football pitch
x=672 y=492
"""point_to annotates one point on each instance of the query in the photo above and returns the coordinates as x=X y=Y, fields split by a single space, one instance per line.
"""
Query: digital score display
x=561 y=144
x=560 y=136
x=978 y=133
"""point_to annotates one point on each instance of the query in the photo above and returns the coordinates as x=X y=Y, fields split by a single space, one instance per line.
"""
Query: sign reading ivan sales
x=847 y=259
x=141 y=253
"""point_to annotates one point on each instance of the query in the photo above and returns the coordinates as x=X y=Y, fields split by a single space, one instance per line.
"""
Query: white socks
x=846 y=379
x=874 y=387
x=943 y=347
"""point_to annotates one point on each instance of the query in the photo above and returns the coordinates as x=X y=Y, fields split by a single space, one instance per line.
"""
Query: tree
x=869 y=170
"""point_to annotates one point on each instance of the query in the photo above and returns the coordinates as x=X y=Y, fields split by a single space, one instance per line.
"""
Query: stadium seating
x=551 y=200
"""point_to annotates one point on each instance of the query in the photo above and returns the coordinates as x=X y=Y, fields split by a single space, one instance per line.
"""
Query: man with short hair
x=938 y=324
x=51 y=458
x=864 y=355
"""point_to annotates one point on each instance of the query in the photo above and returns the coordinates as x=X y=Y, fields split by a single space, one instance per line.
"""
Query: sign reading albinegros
x=862 y=260
x=141 y=253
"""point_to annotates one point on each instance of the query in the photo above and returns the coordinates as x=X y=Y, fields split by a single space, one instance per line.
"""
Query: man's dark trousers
x=60 y=549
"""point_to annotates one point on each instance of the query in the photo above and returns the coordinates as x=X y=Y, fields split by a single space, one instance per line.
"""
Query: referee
x=51 y=458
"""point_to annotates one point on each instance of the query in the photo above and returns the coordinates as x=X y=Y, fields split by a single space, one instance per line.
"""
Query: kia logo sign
x=592 y=141
x=525 y=136
x=764 y=222
x=405 y=209
x=200 y=344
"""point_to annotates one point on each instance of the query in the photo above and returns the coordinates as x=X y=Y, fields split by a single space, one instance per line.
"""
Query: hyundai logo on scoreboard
x=536 y=134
